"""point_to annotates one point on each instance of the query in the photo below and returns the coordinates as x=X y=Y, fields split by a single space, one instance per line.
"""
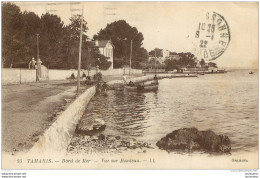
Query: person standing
x=84 y=76
x=32 y=64
x=72 y=77
x=124 y=78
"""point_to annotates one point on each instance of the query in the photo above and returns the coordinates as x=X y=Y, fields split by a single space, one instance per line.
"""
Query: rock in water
x=90 y=127
x=193 y=139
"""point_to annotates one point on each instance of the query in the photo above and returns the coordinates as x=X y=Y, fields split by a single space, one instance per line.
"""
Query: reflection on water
x=224 y=103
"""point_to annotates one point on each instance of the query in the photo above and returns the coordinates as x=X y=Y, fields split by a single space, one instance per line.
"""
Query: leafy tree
x=202 y=62
x=58 y=44
x=72 y=36
x=12 y=35
x=50 y=40
x=173 y=53
x=157 y=54
x=94 y=58
x=186 y=60
x=74 y=28
x=171 y=64
x=31 y=27
x=121 y=34
x=119 y=62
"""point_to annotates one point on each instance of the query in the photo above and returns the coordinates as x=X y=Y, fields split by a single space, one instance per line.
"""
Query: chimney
x=96 y=42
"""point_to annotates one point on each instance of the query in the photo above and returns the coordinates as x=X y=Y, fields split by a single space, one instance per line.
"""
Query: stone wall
x=16 y=75
x=63 y=74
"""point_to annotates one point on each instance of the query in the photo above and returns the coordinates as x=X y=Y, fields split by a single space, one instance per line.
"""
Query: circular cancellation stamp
x=211 y=37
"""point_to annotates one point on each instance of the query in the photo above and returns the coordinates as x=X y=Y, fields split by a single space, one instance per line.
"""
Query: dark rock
x=118 y=137
x=110 y=138
x=192 y=139
x=90 y=127
x=134 y=147
x=101 y=137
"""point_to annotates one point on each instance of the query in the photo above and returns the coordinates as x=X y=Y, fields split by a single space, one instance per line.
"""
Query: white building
x=212 y=69
x=166 y=53
x=106 y=48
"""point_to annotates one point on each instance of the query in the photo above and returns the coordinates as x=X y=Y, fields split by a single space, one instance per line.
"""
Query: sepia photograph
x=130 y=85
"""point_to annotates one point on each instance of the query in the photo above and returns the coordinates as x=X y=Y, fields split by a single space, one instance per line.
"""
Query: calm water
x=225 y=103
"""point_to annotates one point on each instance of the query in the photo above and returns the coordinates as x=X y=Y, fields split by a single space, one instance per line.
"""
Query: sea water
x=224 y=103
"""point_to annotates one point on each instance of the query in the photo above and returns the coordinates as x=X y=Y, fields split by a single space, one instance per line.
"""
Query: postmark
x=211 y=37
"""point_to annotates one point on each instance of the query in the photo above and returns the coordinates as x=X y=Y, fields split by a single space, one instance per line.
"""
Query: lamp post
x=130 y=64
x=130 y=58
x=37 y=60
x=155 y=61
x=80 y=44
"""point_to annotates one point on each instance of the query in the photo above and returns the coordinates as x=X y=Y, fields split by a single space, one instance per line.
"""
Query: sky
x=170 y=25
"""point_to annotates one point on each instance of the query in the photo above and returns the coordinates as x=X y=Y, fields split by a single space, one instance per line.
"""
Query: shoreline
x=55 y=125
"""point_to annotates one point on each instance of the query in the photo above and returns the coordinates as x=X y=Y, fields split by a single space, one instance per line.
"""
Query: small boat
x=251 y=72
x=141 y=88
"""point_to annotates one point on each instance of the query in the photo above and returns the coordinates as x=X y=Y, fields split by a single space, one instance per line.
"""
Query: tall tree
x=202 y=62
x=12 y=43
x=50 y=39
x=121 y=34
x=90 y=55
x=156 y=52
x=94 y=58
x=69 y=44
x=31 y=27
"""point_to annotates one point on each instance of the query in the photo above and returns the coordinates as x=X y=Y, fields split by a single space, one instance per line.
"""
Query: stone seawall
x=118 y=83
x=58 y=136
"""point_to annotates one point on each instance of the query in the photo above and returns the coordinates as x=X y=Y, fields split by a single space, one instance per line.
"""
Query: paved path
x=29 y=109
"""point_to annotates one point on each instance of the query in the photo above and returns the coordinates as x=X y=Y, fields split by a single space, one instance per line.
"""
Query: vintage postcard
x=130 y=85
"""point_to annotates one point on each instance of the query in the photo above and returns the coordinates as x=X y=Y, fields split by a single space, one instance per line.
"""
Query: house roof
x=103 y=43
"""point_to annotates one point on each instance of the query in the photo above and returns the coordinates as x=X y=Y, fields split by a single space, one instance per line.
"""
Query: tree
x=202 y=62
x=157 y=54
x=69 y=44
x=121 y=34
x=171 y=64
x=58 y=44
x=31 y=27
x=50 y=40
x=94 y=58
x=12 y=35
x=185 y=60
